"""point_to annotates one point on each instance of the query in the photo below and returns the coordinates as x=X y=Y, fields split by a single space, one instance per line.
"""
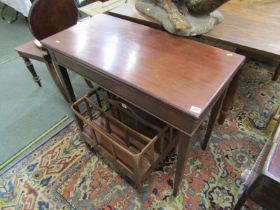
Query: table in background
x=148 y=68
x=252 y=26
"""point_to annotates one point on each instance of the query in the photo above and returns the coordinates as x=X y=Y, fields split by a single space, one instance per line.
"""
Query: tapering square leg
x=276 y=73
x=184 y=144
x=212 y=119
x=54 y=75
x=228 y=101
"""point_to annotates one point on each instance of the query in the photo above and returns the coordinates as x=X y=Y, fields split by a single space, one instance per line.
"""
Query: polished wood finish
x=227 y=104
x=161 y=71
x=251 y=26
x=212 y=119
x=29 y=51
x=49 y=17
x=130 y=61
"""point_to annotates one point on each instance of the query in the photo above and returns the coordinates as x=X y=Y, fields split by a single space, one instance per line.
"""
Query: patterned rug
x=64 y=174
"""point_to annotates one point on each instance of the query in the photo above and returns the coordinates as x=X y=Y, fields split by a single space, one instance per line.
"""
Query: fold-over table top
x=183 y=73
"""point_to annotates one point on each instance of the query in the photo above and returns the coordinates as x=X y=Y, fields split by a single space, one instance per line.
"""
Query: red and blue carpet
x=64 y=174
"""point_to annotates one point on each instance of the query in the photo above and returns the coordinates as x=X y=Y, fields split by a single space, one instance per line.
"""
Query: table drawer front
x=140 y=99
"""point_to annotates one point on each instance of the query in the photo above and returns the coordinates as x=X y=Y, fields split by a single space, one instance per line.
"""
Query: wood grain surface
x=182 y=73
x=252 y=25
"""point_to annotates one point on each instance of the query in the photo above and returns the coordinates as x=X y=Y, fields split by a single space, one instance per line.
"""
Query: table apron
x=172 y=116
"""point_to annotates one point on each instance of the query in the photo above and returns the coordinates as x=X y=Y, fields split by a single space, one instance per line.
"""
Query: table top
x=30 y=50
x=183 y=73
x=252 y=25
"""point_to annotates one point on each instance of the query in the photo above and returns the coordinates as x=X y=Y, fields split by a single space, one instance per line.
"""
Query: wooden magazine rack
x=133 y=141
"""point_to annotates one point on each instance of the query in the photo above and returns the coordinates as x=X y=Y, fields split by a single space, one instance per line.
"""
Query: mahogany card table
x=175 y=79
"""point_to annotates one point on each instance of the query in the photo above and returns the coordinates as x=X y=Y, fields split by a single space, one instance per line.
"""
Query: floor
x=26 y=110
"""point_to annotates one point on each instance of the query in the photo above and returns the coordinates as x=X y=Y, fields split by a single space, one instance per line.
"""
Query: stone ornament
x=184 y=18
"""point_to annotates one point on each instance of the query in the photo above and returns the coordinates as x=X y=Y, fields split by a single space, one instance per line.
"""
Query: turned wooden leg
x=228 y=101
x=184 y=145
x=55 y=76
x=213 y=116
x=30 y=67
x=276 y=73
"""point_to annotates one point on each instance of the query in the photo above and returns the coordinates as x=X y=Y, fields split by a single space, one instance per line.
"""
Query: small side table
x=29 y=51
